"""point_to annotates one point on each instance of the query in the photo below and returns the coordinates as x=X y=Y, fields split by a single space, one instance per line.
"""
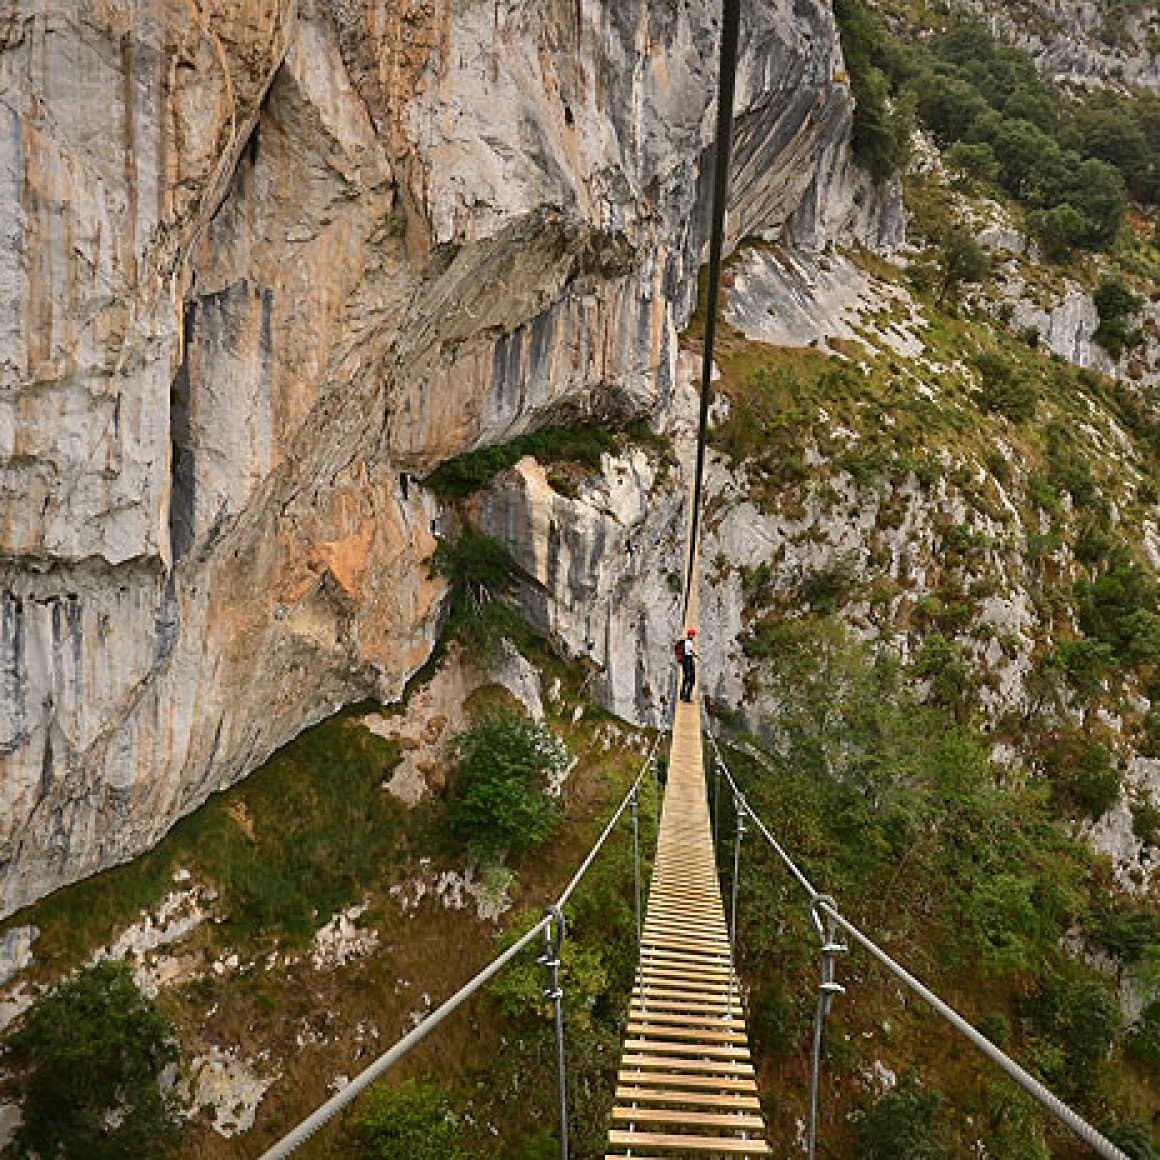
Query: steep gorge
x=410 y=233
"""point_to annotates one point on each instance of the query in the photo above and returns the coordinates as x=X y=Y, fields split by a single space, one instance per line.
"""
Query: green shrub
x=541 y=1145
x=1085 y=664
x=1150 y=742
x=975 y=161
x=1043 y=494
x=475 y=566
x=413 y=1121
x=1116 y=305
x=87 y=1061
x=826 y=589
x=1127 y=934
x=1134 y=1138
x=875 y=61
x=1059 y=229
x=480 y=572
x=1005 y=389
x=466 y=473
x=902 y=1125
x=941 y=662
x=1069 y=468
x=995 y=1027
x=1078 y=1013
x=961 y=259
x=499 y=785
x=1146 y=822
x=1082 y=774
x=773 y=1021
x=1143 y=1040
x=1119 y=607
x=1015 y=1129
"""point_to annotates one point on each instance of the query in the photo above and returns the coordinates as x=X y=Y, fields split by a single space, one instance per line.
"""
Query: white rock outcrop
x=307 y=251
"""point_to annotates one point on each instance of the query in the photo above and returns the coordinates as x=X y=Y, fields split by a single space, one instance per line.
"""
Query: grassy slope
x=1084 y=465
x=308 y=834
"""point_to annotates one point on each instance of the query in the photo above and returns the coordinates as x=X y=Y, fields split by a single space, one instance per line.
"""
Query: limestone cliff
x=1082 y=43
x=260 y=265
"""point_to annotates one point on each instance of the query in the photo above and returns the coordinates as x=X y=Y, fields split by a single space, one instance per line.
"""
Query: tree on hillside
x=413 y=1121
x=961 y=259
x=1116 y=305
x=499 y=786
x=1024 y=151
x=87 y=1062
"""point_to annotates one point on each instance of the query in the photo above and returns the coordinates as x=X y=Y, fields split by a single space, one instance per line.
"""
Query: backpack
x=679 y=649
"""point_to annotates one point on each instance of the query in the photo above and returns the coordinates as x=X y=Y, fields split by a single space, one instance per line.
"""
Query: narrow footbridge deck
x=686 y=1084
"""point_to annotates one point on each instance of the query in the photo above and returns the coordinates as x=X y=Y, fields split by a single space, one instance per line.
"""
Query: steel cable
x=1046 y=1098
x=322 y=1115
x=723 y=145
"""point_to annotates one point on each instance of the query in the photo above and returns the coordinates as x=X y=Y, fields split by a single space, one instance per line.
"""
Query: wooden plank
x=704 y=1083
x=705 y=947
x=678 y=975
x=686 y=1003
x=697 y=1032
x=686 y=917
x=684 y=1143
x=702 y=961
x=687 y=981
x=640 y=1095
x=684 y=1018
x=687 y=1050
x=688 y=970
x=739 y=1121
x=733 y=1067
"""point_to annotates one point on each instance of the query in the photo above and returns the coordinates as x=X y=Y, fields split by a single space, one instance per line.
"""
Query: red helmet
x=692 y=632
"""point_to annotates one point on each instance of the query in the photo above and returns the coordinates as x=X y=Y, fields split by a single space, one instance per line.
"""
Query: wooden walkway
x=686 y=1085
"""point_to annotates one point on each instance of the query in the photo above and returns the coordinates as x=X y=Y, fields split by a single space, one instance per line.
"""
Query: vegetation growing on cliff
x=501 y=801
x=965 y=871
x=581 y=445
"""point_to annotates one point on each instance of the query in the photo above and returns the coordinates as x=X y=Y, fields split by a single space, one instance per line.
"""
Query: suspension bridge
x=686 y=1084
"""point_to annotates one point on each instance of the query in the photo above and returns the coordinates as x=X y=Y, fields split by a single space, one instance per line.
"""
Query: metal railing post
x=739 y=808
x=636 y=892
x=550 y=960
x=716 y=795
x=656 y=780
x=827 y=989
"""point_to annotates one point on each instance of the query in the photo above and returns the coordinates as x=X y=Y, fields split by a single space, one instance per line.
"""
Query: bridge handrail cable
x=826 y=905
x=322 y=1115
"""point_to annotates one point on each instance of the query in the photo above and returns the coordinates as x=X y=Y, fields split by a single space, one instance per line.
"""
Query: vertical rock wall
x=257 y=259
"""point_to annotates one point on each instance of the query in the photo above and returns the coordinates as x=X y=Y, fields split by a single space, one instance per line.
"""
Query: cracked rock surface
x=305 y=252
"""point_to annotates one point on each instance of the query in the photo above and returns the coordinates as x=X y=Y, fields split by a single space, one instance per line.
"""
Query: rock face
x=602 y=572
x=1081 y=42
x=305 y=251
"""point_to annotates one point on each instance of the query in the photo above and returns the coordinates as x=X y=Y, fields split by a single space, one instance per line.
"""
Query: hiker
x=686 y=653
